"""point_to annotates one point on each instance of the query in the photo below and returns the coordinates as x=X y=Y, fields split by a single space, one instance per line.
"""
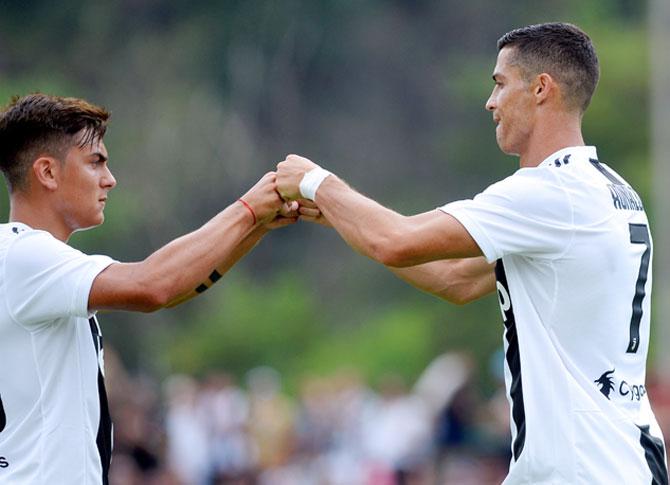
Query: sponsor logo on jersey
x=3 y=462
x=607 y=383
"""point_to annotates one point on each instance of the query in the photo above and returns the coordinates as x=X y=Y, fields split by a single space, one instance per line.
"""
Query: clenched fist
x=289 y=174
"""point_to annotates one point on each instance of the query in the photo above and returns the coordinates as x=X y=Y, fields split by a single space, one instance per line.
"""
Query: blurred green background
x=207 y=96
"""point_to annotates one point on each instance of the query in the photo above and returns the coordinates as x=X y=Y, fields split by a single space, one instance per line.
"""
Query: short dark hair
x=561 y=50
x=39 y=123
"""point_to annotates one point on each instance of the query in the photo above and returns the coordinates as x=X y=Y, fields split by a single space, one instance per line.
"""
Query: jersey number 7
x=639 y=234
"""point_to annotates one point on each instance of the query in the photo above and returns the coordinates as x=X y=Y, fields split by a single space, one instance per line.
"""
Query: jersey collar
x=18 y=227
x=580 y=152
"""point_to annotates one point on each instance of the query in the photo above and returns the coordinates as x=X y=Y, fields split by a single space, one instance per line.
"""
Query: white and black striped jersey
x=54 y=422
x=573 y=250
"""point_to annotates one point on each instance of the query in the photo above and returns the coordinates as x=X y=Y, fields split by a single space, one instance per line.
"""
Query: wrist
x=311 y=182
x=249 y=209
x=261 y=230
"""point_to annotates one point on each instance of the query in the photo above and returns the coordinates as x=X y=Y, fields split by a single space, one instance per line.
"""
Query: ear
x=543 y=87
x=46 y=171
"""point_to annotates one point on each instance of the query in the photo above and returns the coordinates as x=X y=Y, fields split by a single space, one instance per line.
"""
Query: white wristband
x=310 y=182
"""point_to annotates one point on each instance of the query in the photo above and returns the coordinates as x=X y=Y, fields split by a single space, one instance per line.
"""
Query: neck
x=38 y=216
x=561 y=130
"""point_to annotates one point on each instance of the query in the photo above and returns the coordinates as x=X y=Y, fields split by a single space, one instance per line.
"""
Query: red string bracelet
x=253 y=214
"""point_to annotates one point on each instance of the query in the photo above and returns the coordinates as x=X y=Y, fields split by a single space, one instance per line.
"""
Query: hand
x=289 y=175
x=310 y=212
x=264 y=199
x=288 y=214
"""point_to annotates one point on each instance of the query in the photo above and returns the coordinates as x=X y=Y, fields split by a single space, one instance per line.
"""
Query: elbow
x=458 y=299
x=390 y=256
x=463 y=296
x=157 y=301
x=152 y=299
x=150 y=307
x=394 y=245
x=393 y=253
x=385 y=256
x=458 y=294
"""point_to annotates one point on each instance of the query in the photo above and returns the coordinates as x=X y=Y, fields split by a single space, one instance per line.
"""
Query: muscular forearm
x=190 y=264
x=173 y=272
x=185 y=263
x=373 y=230
x=368 y=227
x=238 y=253
x=388 y=237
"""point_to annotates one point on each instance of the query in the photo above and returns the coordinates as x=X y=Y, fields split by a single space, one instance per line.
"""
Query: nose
x=108 y=181
x=490 y=103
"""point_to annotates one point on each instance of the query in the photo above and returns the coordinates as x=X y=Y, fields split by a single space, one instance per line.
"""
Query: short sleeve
x=46 y=279
x=527 y=213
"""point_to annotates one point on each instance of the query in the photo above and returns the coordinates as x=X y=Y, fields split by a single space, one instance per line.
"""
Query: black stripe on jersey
x=610 y=176
x=654 y=453
x=3 y=416
x=104 y=437
x=514 y=363
x=95 y=334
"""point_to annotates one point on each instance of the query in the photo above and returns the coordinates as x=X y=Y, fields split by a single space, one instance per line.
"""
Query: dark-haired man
x=54 y=422
x=572 y=252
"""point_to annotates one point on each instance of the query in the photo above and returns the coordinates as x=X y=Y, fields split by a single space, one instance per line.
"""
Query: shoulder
x=34 y=250
x=32 y=239
x=528 y=190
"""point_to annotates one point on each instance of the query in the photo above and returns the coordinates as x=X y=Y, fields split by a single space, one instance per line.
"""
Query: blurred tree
x=206 y=96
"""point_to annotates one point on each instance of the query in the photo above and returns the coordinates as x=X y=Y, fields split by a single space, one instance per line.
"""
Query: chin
x=507 y=149
x=504 y=148
x=93 y=223
x=510 y=151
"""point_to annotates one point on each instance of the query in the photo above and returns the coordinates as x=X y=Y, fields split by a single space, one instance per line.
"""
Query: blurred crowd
x=338 y=430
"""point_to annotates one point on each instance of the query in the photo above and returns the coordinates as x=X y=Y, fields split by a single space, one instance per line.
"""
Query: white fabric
x=311 y=181
x=564 y=241
x=48 y=360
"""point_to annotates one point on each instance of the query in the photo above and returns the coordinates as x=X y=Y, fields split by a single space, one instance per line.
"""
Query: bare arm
x=184 y=267
x=247 y=244
x=458 y=281
x=375 y=231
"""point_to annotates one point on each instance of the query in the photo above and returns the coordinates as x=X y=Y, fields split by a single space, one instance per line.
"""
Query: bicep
x=432 y=236
x=123 y=286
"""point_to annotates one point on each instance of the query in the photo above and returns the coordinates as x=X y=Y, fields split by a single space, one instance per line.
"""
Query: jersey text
x=625 y=198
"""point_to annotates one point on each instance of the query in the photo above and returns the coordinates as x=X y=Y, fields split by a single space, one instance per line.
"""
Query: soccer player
x=565 y=242
x=54 y=421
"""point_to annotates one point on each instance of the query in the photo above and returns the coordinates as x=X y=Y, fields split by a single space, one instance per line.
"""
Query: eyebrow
x=100 y=156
